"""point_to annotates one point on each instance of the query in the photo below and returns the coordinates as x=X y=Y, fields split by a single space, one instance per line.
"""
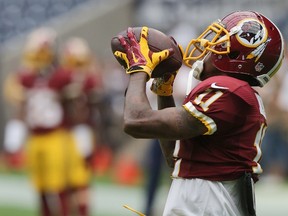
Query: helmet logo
x=252 y=33
x=258 y=51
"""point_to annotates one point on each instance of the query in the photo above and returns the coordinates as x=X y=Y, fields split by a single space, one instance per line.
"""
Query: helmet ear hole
x=234 y=54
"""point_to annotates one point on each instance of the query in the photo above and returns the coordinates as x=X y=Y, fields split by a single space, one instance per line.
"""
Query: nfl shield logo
x=259 y=66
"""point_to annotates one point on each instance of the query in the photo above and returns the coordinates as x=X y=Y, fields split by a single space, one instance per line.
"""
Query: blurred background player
x=37 y=60
x=37 y=117
x=80 y=102
x=46 y=125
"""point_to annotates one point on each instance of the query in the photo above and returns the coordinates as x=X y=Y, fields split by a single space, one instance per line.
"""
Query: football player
x=213 y=140
x=55 y=161
x=79 y=99
x=38 y=120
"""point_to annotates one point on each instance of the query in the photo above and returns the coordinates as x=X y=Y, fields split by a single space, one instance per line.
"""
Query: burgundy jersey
x=234 y=115
x=78 y=89
x=41 y=110
x=63 y=77
x=44 y=107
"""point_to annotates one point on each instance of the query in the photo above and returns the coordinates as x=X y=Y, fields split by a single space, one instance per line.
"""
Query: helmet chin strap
x=263 y=79
x=197 y=68
x=195 y=72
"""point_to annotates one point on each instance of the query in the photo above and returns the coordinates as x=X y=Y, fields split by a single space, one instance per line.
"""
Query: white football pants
x=198 y=197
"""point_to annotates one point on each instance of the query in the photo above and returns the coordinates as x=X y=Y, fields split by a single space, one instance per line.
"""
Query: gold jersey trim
x=207 y=121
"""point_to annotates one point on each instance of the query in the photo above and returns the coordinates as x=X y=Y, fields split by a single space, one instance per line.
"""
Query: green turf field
x=17 y=198
x=14 y=211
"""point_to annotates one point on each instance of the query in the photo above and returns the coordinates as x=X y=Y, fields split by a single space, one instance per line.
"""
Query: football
x=157 y=41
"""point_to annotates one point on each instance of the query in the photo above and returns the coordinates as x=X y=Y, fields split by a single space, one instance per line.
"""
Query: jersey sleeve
x=218 y=109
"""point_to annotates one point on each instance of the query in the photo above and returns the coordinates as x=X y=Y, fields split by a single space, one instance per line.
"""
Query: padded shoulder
x=225 y=83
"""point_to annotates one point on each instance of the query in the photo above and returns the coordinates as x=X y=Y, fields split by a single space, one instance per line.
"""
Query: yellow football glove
x=163 y=86
x=138 y=56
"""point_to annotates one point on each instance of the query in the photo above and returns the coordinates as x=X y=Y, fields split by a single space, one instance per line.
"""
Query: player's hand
x=163 y=86
x=138 y=57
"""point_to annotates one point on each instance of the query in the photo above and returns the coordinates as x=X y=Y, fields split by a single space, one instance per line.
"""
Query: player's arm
x=141 y=121
x=167 y=146
x=13 y=91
